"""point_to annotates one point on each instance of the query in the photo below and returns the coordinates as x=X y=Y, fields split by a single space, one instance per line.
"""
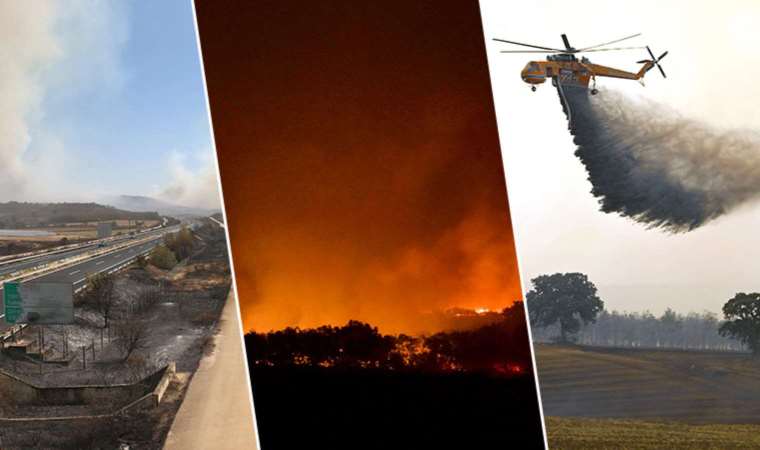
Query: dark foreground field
x=368 y=409
x=628 y=398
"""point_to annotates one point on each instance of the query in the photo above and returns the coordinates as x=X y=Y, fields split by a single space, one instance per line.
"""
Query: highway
x=77 y=272
x=30 y=262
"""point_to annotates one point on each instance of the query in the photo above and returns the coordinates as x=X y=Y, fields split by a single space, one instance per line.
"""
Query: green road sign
x=12 y=301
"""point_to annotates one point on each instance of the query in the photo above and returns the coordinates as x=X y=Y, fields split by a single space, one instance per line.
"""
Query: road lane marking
x=75 y=272
x=99 y=263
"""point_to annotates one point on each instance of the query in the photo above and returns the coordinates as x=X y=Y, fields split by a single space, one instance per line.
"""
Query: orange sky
x=359 y=159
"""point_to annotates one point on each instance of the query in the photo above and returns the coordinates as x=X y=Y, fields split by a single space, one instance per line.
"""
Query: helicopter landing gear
x=593 y=86
x=533 y=88
x=594 y=91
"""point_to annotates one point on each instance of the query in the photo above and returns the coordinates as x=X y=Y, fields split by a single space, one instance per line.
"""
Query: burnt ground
x=179 y=310
x=304 y=407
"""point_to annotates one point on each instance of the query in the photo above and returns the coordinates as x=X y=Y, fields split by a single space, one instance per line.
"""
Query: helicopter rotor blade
x=530 y=51
x=662 y=71
x=662 y=56
x=567 y=43
x=528 y=45
x=609 y=49
x=651 y=54
x=610 y=42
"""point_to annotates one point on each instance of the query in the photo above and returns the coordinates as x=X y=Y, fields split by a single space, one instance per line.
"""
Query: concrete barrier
x=153 y=398
x=148 y=392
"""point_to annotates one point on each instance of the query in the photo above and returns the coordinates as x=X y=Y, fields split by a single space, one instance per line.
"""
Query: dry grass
x=576 y=433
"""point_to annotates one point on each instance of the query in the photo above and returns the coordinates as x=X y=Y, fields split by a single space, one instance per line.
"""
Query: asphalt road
x=28 y=263
x=77 y=274
x=216 y=412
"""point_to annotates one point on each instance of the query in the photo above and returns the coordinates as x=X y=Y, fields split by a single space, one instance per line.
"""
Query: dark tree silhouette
x=742 y=314
x=568 y=299
x=493 y=347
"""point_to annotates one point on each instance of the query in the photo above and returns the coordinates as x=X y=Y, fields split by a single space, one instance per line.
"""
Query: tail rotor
x=654 y=61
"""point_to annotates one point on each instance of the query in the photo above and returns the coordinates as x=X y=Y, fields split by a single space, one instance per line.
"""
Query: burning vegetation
x=499 y=346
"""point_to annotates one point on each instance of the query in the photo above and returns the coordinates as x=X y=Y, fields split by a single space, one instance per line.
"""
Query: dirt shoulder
x=216 y=412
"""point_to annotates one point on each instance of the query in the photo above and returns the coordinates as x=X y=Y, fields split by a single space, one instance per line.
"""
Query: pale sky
x=712 y=77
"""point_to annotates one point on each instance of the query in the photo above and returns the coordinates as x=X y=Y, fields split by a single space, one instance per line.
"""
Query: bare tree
x=148 y=297
x=101 y=295
x=131 y=335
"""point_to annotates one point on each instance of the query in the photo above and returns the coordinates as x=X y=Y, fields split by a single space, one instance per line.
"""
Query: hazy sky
x=103 y=98
x=711 y=71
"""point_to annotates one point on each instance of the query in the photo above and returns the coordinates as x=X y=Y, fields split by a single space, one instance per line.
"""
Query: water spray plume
x=648 y=163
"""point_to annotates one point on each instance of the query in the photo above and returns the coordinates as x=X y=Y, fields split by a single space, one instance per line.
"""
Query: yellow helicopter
x=561 y=65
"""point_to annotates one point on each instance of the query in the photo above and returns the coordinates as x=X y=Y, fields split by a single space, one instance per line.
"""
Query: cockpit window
x=533 y=67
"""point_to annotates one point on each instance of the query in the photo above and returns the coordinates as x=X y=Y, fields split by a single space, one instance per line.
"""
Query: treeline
x=671 y=330
x=502 y=347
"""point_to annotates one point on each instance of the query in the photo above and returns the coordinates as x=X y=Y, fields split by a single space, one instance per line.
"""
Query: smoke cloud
x=57 y=54
x=50 y=49
x=648 y=163
x=28 y=47
x=192 y=186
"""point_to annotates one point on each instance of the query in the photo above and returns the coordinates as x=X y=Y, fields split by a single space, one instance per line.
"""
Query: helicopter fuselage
x=568 y=70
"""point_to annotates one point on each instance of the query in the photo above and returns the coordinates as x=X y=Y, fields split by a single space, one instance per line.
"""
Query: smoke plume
x=50 y=50
x=192 y=186
x=648 y=163
x=28 y=46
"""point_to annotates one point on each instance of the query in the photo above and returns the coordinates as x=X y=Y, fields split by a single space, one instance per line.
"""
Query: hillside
x=22 y=215
x=144 y=203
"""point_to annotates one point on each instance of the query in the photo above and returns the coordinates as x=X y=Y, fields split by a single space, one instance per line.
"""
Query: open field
x=688 y=386
x=632 y=398
x=576 y=433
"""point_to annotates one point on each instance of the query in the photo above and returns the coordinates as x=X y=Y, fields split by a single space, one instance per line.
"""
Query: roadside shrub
x=141 y=261
x=163 y=258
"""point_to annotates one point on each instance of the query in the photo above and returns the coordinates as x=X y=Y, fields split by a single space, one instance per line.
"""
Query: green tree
x=163 y=258
x=180 y=243
x=742 y=314
x=568 y=299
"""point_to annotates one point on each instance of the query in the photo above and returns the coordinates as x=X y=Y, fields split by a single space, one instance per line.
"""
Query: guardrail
x=12 y=259
x=113 y=268
x=63 y=263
